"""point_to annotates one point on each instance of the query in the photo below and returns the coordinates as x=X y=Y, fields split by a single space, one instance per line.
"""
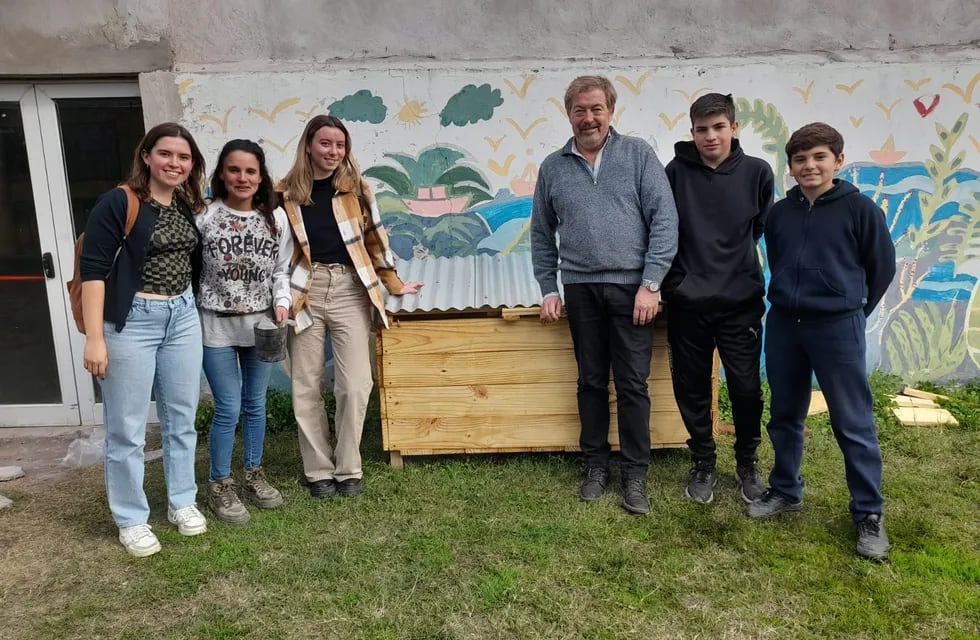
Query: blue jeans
x=159 y=350
x=834 y=350
x=239 y=382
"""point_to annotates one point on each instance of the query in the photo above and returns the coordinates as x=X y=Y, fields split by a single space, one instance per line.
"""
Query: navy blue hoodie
x=721 y=214
x=831 y=258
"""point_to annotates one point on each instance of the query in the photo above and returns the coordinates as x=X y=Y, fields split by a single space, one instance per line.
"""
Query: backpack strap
x=132 y=209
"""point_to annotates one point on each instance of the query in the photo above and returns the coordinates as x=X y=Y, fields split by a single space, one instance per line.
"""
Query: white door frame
x=66 y=411
x=57 y=236
x=90 y=412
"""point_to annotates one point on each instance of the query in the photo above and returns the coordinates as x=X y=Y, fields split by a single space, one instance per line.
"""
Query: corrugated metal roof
x=471 y=282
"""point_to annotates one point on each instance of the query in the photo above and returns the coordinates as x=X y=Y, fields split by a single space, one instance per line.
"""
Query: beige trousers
x=341 y=309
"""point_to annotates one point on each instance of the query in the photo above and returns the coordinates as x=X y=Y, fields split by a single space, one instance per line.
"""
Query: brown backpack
x=75 y=284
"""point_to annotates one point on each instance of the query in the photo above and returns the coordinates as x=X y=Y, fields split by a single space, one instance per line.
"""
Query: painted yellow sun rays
x=411 y=112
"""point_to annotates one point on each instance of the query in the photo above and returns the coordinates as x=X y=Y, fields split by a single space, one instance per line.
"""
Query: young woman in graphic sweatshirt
x=246 y=245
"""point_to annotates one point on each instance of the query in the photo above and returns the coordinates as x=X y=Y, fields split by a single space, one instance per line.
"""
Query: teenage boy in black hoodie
x=714 y=289
x=832 y=259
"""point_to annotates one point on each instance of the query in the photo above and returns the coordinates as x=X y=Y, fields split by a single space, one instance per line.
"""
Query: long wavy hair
x=264 y=200
x=298 y=183
x=191 y=191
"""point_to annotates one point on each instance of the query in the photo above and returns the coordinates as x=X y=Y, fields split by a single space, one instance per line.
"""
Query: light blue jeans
x=238 y=381
x=158 y=350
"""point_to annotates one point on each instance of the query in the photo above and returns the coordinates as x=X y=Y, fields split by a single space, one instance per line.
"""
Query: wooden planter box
x=498 y=381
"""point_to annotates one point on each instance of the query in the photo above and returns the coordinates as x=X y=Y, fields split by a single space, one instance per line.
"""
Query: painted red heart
x=921 y=107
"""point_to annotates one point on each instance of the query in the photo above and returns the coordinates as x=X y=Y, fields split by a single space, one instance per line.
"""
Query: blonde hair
x=583 y=84
x=298 y=183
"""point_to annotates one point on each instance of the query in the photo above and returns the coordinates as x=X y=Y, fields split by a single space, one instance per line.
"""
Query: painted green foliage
x=362 y=106
x=942 y=165
x=455 y=235
x=768 y=123
x=925 y=343
x=470 y=105
x=451 y=235
x=435 y=166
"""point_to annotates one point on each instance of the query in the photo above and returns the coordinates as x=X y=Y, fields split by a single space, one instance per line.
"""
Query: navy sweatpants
x=835 y=351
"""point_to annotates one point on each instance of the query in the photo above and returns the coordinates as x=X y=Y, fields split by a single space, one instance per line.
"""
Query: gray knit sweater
x=619 y=228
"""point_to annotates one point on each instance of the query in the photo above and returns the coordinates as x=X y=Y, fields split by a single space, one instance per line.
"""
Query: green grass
x=500 y=547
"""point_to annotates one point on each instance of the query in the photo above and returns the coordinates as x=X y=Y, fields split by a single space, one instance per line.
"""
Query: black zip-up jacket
x=104 y=236
x=721 y=214
x=831 y=258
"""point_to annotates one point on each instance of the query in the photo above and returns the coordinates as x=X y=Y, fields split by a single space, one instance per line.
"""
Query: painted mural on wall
x=453 y=157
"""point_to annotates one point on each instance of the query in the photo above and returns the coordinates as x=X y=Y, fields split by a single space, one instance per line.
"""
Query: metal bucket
x=270 y=341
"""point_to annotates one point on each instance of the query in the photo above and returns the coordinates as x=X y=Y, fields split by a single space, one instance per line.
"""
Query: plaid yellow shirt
x=366 y=242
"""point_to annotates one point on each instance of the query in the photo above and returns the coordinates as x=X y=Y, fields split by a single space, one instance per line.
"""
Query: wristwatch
x=650 y=285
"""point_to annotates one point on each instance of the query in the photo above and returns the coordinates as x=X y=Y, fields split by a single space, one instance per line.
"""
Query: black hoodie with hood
x=829 y=259
x=721 y=214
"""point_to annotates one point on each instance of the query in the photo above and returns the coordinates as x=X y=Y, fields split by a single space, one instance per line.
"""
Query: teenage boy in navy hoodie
x=832 y=259
x=715 y=289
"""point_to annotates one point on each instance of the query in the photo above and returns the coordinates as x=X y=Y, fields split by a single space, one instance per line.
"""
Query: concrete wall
x=40 y=37
x=51 y=37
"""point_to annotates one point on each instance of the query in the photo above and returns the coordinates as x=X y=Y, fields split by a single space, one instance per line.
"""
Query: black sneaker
x=594 y=481
x=772 y=503
x=700 y=487
x=747 y=477
x=350 y=487
x=634 y=495
x=322 y=488
x=872 y=539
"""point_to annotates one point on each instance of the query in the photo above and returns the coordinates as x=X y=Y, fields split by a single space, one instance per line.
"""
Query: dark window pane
x=98 y=136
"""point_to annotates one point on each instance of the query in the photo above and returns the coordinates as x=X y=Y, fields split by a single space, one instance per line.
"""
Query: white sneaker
x=189 y=521
x=139 y=540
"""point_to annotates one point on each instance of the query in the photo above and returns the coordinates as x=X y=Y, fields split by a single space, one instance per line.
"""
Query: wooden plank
x=474 y=335
x=396 y=461
x=511 y=400
x=818 y=404
x=910 y=401
x=924 y=416
x=527 y=367
x=520 y=312
x=407 y=453
x=484 y=334
x=925 y=395
x=491 y=432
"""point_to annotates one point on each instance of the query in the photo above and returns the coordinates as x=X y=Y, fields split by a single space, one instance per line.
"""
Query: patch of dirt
x=38 y=455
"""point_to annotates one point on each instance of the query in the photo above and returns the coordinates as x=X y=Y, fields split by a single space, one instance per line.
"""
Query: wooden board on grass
x=924 y=416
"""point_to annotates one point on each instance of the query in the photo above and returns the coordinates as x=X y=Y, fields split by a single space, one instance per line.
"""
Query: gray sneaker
x=772 y=503
x=258 y=491
x=747 y=477
x=700 y=487
x=635 y=495
x=872 y=540
x=594 y=481
x=222 y=498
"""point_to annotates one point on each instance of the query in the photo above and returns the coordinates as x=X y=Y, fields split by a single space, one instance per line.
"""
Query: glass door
x=61 y=146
